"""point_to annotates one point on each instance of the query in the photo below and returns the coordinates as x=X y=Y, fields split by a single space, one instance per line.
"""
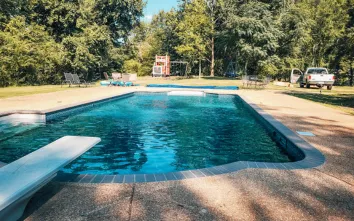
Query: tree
x=29 y=55
x=156 y=38
x=251 y=31
x=120 y=16
x=41 y=39
x=194 y=31
x=10 y=9
x=294 y=23
x=329 y=21
x=203 y=19
x=342 y=52
x=214 y=8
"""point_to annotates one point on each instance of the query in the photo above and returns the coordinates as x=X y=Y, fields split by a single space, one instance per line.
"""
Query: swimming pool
x=149 y=133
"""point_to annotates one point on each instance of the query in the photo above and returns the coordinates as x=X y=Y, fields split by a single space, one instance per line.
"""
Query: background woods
x=41 y=39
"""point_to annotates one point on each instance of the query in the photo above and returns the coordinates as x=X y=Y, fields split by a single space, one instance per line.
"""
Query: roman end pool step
x=14 y=124
x=187 y=93
x=21 y=179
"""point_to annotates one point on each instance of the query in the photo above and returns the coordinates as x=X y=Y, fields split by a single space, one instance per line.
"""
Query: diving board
x=2 y=164
x=21 y=179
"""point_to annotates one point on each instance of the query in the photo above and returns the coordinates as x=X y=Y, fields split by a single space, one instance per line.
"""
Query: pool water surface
x=155 y=133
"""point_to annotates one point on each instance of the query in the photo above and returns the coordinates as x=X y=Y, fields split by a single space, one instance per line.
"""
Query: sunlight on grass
x=340 y=97
x=216 y=81
x=29 y=90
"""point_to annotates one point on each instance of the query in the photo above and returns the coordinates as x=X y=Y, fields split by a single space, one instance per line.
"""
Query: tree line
x=42 y=39
x=261 y=37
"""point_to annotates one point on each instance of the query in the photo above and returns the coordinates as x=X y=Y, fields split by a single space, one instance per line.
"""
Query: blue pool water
x=154 y=133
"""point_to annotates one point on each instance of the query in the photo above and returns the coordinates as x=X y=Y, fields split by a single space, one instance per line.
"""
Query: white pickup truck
x=317 y=76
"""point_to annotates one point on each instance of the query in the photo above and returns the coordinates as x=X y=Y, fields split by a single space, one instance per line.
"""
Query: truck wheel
x=301 y=85
x=329 y=87
x=308 y=85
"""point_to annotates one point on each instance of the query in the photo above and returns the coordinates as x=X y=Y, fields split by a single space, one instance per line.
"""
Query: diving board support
x=21 y=179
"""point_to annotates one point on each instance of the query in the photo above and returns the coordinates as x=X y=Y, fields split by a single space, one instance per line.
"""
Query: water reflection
x=156 y=133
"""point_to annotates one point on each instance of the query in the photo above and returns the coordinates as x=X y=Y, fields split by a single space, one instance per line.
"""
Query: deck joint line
x=131 y=202
x=334 y=177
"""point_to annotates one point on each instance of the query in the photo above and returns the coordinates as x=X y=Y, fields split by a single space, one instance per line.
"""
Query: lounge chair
x=108 y=80
x=133 y=77
x=68 y=79
x=129 y=79
x=77 y=81
x=107 y=77
x=118 y=83
x=116 y=76
x=73 y=79
x=21 y=179
x=117 y=79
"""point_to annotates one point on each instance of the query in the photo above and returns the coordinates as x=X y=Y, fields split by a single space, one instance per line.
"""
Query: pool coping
x=305 y=154
x=64 y=107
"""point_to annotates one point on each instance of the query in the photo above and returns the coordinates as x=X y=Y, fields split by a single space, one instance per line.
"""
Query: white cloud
x=147 y=18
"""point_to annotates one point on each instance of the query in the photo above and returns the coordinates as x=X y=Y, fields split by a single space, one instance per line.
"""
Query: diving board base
x=16 y=209
x=21 y=179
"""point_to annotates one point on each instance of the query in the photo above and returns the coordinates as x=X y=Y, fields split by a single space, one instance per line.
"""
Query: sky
x=154 y=6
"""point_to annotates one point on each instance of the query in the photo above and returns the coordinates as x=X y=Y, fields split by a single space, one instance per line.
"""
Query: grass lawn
x=339 y=97
x=207 y=81
x=28 y=90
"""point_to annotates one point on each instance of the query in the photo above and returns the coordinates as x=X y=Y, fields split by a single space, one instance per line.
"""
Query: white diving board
x=2 y=164
x=21 y=179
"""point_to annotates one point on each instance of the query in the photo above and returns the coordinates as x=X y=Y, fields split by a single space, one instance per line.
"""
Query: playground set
x=164 y=67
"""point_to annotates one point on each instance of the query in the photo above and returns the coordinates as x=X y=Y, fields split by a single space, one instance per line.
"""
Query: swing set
x=179 y=68
x=231 y=70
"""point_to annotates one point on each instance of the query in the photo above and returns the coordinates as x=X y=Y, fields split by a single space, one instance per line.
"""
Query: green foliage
x=252 y=33
x=120 y=16
x=29 y=54
x=329 y=19
x=132 y=66
x=42 y=39
x=156 y=38
x=194 y=31
x=10 y=9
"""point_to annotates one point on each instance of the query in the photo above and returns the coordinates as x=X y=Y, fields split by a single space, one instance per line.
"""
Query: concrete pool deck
x=323 y=193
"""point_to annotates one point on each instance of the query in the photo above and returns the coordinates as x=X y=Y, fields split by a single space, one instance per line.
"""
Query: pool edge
x=311 y=156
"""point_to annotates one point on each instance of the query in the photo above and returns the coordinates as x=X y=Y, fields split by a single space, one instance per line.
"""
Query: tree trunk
x=246 y=67
x=212 y=57
x=200 y=68
x=351 y=76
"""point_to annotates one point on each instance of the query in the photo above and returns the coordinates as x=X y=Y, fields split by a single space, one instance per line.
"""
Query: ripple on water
x=155 y=134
